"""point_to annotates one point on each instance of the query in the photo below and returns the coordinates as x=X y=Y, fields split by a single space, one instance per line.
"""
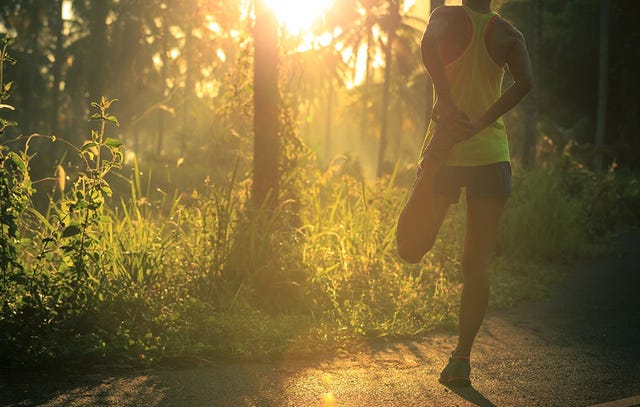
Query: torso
x=474 y=65
x=499 y=36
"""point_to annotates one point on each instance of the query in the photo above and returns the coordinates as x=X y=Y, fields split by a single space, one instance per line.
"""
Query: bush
x=141 y=280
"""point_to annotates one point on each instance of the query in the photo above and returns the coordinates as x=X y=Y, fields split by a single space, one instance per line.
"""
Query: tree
x=400 y=35
x=59 y=56
x=266 y=107
x=531 y=103
x=602 y=81
x=433 y=5
x=392 y=22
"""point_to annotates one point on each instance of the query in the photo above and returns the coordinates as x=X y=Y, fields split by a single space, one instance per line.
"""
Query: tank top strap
x=479 y=21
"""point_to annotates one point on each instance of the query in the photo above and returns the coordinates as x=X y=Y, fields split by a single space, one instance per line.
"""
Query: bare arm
x=520 y=67
x=436 y=30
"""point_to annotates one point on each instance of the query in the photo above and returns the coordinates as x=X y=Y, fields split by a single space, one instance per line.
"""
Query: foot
x=457 y=371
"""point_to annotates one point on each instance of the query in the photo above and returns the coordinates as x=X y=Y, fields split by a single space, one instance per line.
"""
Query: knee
x=410 y=256
x=412 y=252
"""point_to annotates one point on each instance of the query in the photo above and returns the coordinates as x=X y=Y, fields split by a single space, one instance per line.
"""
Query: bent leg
x=483 y=218
x=421 y=216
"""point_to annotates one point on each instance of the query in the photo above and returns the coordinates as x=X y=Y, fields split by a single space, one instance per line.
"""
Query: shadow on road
x=471 y=394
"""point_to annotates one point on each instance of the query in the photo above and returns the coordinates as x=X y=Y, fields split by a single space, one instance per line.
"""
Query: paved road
x=579 y=347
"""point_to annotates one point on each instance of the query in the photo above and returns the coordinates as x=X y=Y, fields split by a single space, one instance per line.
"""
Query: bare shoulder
x=441 y=21
x=445 y=12
x=507 y=31
x=502 y=39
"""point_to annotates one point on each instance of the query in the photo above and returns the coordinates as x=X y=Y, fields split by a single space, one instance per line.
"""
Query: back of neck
x=479 y=6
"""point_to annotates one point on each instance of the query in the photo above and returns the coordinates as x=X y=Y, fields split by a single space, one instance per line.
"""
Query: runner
x=465 y=50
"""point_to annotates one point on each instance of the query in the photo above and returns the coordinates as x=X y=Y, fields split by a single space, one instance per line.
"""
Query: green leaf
x=113 y=143
x=15 y=158
x=88 y=145
x=107 y=190
x=106 y=103
x=4 y=106
x=6 y=123
x=70 y=230
x=104 y=219
x=95 y=116
x=113 y=119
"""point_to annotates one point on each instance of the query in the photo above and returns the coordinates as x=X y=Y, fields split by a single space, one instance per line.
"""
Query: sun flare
x=298 y=16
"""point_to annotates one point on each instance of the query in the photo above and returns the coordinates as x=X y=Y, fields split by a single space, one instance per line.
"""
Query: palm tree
x=358 y=21
x=397 y=27
x=376 y=26
x=391 y=22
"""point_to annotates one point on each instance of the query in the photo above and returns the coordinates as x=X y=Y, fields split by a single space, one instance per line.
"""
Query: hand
x=468 y=129
x=458 y=126
x=444 y=110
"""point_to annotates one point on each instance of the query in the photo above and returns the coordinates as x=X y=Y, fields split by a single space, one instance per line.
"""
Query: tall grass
x=137 y=279
x=203 y=276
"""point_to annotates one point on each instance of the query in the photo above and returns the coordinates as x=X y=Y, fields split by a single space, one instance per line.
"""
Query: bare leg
x=421 y=216
x=483 y=218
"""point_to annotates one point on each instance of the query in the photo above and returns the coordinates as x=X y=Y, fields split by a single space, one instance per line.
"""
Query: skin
x=422 y=216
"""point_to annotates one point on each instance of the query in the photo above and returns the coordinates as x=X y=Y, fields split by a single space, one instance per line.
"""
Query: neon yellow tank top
x=476 y=84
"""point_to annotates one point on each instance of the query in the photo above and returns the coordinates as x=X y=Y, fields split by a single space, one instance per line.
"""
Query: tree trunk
x=30 y=113
x=99 y=41
x=327 y=144
x=56 y=69
x=394 y=14
x=602 y=82
x=382 y=147
x=266 y=108
x=187 y=127
x=531 y=103
x=163 y=82
x=364 y=122
x=429 y=91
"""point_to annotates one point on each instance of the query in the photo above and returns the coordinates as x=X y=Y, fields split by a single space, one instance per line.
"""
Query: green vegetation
x=128 y=282
x=132 y=240
x=100 y=278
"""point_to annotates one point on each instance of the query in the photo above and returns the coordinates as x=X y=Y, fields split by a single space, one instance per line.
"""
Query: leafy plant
x=15 y=183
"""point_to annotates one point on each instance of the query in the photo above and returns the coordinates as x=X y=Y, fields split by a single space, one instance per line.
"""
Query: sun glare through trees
x=298 y=17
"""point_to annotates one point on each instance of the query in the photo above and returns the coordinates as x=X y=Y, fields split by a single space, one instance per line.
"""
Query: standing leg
x=483 y=218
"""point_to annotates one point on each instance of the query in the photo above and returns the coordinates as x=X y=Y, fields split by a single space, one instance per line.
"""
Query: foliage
x=15 y=183
x=567 y=210
x=206 y=278
x=121 y=269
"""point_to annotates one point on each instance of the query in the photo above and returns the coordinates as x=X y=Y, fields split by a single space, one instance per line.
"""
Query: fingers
x=457 y=122
x=444 y=110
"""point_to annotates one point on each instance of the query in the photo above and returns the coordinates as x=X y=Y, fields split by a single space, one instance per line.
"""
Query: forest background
x=170 y=225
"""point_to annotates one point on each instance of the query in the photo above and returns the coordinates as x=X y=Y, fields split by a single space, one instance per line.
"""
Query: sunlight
x=297 y=16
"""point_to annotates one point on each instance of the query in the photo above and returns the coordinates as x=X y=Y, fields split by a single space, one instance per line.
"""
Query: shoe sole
x=455 y=381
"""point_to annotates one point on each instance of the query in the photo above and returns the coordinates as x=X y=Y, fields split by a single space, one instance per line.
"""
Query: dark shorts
x=484 y=181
